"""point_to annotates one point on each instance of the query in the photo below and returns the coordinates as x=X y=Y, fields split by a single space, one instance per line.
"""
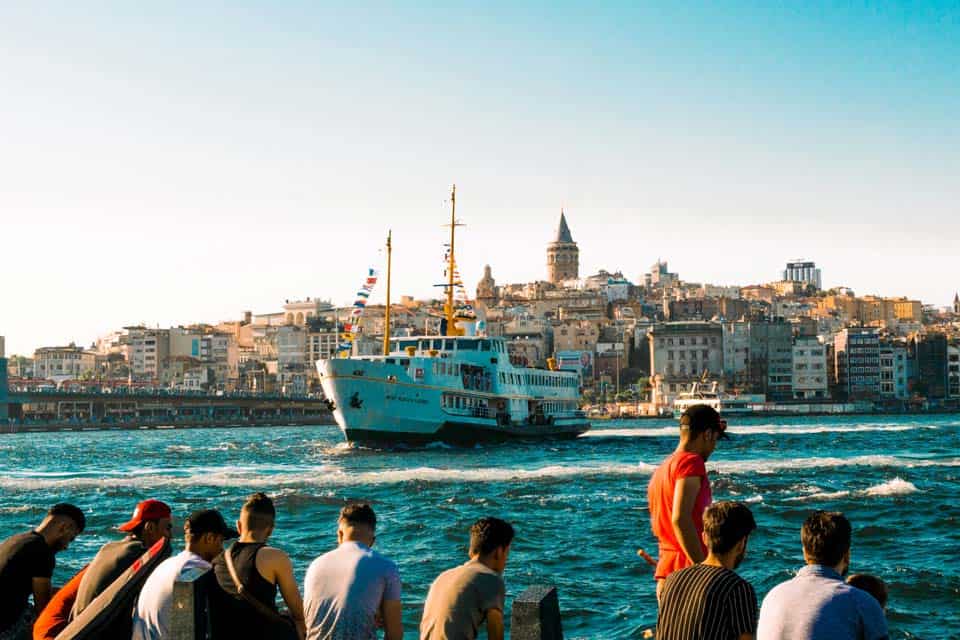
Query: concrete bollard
x=536 y=615
x=189 y=615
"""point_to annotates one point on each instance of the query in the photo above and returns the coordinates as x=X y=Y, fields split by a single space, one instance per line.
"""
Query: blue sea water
x=579 y=507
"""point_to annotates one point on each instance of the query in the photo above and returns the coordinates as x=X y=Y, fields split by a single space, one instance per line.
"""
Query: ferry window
x=423 y=345
x=484 y=345
x=403 y=344
x=467 y=345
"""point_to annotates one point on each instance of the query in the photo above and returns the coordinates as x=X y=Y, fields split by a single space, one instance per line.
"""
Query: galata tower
x=563 y=256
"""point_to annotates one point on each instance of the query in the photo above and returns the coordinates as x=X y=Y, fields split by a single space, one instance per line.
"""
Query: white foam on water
x=657 y=432
x=319 y=476
x=896 y=487
x=330 y=475
x=760 y=429
x=179 y=448
x=772 y=466
x=820 y=495
x=753 y=499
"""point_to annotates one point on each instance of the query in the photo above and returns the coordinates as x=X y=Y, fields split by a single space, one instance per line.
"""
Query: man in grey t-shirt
x=817 y=604
x=462 y=598
x=350 y=591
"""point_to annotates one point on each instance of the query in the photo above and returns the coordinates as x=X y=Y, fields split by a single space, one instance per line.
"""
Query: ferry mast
x=451 y=322
x=386 y=314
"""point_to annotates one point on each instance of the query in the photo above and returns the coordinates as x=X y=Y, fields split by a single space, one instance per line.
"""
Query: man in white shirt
x=204 y=533
x=350 y=591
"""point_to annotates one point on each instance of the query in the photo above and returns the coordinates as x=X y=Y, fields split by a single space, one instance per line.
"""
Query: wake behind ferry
x=456 y=387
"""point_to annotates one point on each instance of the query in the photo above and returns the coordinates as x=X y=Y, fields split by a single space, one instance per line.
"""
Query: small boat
x=725 y=404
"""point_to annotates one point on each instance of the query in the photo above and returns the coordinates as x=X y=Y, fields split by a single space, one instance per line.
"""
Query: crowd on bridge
x=353 y=592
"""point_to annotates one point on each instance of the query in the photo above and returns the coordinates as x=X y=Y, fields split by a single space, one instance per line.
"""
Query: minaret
x=956 y=303
x=563 y=256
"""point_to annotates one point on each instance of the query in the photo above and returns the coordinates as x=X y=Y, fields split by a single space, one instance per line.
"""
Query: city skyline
x=181 y=164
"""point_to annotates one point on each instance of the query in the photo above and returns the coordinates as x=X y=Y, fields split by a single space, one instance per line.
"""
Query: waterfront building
x=930 y=353
x=803 y=271
x=576 y=335
x=146 y=349
x=682 y=353
x=529 y=340
x=563 y=255
x=893 y=371
x=299 y=312
x=321 y=345
x=291 y=354
x=63 y=363
x=660 y=276
x=4 y=384
x=759 y=293
x=953 y=370
x=771 y=359
x=809 y=368
x=736 y=354
x=20 y=367
x=788 y=288
x=857 y=363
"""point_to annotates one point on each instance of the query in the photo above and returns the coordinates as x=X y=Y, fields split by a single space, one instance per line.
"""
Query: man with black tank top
x=709 y=601
x=26 y=566
x=262 y=571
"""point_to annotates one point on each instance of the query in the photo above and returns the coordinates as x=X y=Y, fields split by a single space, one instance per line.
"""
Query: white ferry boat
x=454 y=387
x=451 y=389
x=724 y=404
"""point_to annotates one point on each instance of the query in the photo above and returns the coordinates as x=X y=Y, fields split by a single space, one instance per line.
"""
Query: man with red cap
x=151 y=522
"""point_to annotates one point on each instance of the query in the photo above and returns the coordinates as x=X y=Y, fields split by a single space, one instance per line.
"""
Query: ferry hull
x=466 y=433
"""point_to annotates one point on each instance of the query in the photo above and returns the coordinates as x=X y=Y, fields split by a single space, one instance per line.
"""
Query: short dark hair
x=826 y=537
x=359 y=513
x=488 y=535
x=871 y=584
x=260 y=511
x=700 y=418
x=725 y=524
x=68 y=510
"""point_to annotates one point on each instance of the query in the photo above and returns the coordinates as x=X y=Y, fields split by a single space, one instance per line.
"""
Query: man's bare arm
x=42 y=590
x=392 y=613
x=684 y=497
x=280 y=570
x=494 y=624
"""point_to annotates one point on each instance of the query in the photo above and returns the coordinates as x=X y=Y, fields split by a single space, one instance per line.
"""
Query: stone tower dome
x=563 y=256
x=487 y=287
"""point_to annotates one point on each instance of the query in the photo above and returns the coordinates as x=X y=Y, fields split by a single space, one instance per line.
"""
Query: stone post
x=536 y=615
x=188 y=614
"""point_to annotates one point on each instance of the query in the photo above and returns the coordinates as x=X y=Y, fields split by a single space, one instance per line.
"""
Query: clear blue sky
x=175 y=163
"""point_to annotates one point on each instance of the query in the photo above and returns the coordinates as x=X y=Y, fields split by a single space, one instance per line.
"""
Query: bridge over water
x=35 y=409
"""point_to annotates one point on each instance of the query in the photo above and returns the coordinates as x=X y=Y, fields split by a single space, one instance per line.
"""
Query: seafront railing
x=536 y=611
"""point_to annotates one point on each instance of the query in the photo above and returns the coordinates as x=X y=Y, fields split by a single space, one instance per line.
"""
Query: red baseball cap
x=146 y=510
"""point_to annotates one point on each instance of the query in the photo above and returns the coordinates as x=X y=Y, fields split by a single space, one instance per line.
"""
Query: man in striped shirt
x=708 y=601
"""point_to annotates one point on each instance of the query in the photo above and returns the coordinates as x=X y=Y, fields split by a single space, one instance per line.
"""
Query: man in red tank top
x=679 y=491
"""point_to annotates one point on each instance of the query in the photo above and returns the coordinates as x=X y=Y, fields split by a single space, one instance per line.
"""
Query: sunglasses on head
x=721 y=428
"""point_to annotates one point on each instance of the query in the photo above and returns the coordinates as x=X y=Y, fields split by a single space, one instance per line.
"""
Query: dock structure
x=94 y=409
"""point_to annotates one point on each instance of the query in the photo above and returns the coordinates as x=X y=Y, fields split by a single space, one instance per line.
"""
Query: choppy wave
x=895 y=487
x=761 y=429
x=328 y=475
